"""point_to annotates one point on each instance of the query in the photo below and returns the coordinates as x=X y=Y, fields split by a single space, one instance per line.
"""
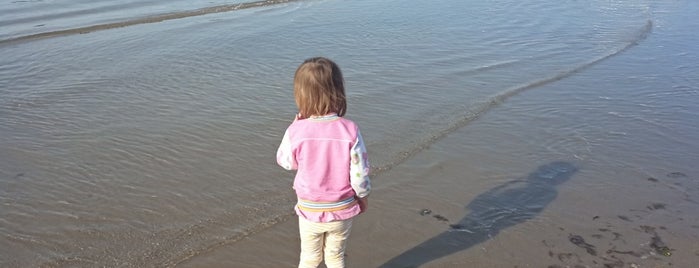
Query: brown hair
x=319 y=88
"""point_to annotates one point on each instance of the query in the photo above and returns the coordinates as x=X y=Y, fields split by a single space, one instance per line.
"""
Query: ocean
x=143 y=133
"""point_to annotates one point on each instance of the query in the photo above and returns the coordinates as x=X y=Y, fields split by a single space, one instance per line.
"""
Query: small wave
x=482 y=107
x=171 y=247
x=151 y=19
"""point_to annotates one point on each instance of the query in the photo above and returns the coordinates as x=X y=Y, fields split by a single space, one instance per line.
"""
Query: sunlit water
x=150 y=144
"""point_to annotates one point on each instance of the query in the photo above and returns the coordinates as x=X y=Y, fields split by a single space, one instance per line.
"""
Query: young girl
x=332 y=179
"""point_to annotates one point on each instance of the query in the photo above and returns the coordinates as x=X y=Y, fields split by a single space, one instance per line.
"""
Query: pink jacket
x=332 y=168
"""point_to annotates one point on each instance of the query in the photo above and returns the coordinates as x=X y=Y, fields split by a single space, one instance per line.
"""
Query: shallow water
x=153 y=144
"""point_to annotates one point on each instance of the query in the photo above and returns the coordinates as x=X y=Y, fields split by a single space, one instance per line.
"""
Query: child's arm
x=359 y=168
x=285 y=158
x=363 y=204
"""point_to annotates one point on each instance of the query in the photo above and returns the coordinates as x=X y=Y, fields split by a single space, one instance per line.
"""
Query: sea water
x=143 y=133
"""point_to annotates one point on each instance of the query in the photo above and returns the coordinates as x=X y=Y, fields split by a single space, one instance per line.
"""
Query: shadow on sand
x=491 y=212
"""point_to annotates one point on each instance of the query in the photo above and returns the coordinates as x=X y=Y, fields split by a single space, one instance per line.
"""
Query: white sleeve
x=285 y=157
x=359 y=168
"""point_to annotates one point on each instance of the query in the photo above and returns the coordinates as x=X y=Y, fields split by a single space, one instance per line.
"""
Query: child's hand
x=363 y=204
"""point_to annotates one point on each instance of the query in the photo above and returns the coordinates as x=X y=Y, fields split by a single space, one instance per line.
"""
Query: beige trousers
x=323 y=240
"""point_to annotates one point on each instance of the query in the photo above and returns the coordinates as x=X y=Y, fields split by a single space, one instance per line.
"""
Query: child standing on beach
x=332 y=179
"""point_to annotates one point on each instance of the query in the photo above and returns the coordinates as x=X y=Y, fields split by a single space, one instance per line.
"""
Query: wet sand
x=500 y=207
x=594 y=236
x=598 y=228
x=576 y=230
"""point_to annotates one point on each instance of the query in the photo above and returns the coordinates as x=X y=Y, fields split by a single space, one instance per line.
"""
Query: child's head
x=319 y=88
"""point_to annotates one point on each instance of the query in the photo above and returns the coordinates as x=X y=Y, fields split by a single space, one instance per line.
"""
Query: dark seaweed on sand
x=580 y=242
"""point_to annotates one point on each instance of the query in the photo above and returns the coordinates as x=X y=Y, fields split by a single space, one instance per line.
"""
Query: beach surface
x=501 y=134
x=612 y=193
x=617 y=191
